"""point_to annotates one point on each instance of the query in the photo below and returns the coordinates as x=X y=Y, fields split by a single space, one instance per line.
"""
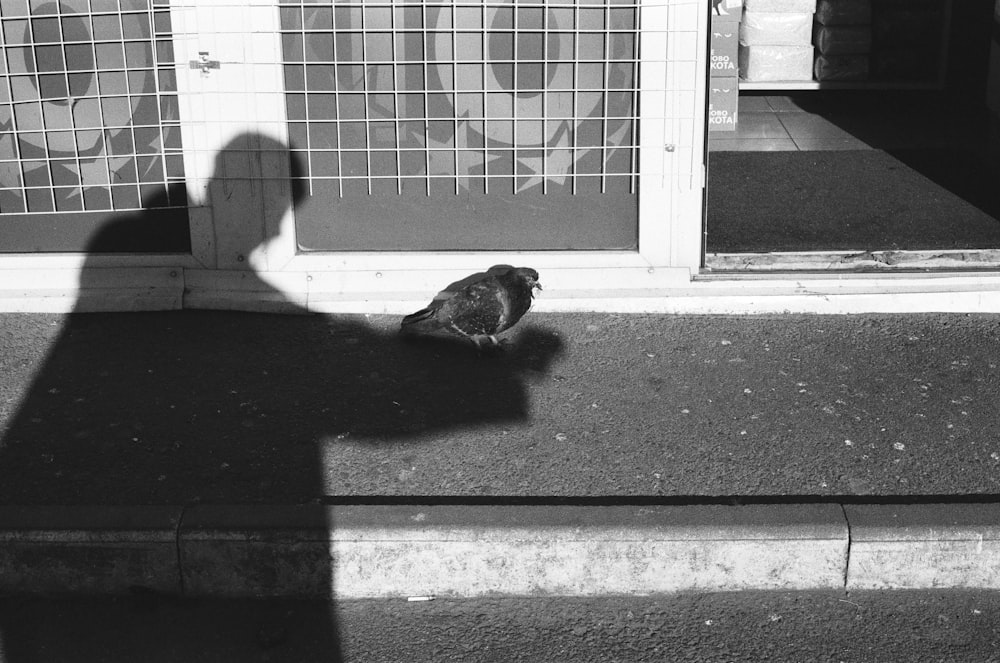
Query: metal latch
x=204 y=63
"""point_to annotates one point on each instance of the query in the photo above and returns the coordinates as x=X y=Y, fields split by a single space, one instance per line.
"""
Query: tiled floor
x=807 y=122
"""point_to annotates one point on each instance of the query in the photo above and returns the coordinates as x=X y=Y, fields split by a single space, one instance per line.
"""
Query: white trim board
x=621 y=288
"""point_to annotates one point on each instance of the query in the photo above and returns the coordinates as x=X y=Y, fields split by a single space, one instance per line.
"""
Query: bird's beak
x=536 y=284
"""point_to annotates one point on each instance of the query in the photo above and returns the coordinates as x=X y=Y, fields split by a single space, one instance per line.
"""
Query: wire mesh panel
x=464 y=125
x=89 y=127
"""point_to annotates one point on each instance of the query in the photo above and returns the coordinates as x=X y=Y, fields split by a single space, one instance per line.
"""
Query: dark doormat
x=871 y=200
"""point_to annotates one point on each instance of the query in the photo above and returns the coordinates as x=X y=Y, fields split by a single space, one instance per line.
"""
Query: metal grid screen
x=462 y=98
x=88 y=118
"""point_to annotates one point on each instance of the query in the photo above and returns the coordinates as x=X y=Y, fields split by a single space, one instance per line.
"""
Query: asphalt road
x=183 y=407
x=916 y=627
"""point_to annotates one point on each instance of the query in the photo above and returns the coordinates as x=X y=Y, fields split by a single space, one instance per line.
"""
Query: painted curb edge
x=368 y=551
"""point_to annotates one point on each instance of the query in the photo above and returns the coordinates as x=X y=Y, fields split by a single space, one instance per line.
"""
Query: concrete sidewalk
x=593 y=456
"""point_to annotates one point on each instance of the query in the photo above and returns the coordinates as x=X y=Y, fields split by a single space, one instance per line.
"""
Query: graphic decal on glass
x=512 y=117
x=88 y=120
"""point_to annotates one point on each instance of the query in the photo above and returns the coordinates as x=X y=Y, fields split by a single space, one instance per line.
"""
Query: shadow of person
x=223 y=407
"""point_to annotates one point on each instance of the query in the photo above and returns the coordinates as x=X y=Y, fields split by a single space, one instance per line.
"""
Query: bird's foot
x=489 y=344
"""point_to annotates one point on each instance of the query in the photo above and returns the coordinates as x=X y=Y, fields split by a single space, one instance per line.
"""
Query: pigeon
x=484 y=306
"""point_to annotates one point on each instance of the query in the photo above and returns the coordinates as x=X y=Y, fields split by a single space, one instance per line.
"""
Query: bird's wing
x=425 y=320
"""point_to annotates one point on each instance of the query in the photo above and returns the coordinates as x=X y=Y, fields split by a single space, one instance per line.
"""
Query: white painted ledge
x=63 y=286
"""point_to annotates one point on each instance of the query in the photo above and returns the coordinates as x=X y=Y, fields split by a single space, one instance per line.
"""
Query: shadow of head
x=258 y=157
x=255 y=179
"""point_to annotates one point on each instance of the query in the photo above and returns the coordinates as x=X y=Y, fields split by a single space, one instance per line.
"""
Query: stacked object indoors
x=907 y=40
x=723 y=95
x=842 y=36
x=776 y=40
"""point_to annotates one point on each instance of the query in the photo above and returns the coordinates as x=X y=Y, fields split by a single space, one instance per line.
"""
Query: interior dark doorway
x=872 y=177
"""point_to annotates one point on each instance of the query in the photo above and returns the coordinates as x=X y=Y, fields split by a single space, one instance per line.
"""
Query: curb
x=382 y=551
x=924 y=547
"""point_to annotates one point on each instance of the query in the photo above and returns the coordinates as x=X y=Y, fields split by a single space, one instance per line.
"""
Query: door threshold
x=854 y=261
